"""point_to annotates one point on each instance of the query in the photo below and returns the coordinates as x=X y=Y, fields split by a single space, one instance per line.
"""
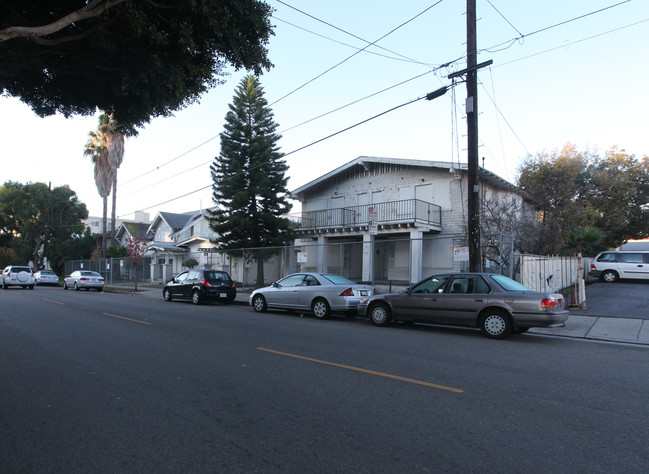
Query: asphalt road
x=107 y=382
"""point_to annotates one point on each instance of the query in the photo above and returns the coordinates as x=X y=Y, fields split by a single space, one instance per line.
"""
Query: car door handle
x=478 y=300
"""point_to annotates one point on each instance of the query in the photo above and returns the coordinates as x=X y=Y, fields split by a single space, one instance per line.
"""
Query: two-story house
x=388 y=219
x=166 y=255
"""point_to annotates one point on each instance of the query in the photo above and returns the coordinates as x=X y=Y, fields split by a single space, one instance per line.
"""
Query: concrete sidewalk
x=580 y=325
x=601 y=328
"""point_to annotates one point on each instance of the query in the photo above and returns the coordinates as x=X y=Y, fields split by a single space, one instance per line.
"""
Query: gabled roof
x=370 y=162
x=174 y=221
x=137 y=230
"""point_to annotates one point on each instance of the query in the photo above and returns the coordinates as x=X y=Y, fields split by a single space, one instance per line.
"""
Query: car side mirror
x=275 y=284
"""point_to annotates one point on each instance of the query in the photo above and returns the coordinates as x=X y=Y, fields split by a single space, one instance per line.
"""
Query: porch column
x=164 y=271
x=322 y=254
x=416 y=255
x=368 y=258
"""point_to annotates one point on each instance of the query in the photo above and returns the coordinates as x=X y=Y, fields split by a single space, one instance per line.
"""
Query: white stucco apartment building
x=388 y=219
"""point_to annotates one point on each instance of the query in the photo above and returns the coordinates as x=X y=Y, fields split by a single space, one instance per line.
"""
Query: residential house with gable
x=167 y=258
x=388 y=219
x=180 y=237
x=132 y=230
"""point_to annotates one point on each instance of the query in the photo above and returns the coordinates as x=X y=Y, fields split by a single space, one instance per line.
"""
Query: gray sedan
x=319 y=293
x=84 y=279
x=494 y=303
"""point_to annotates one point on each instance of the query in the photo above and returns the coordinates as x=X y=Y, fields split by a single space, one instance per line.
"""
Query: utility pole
x=473 y=202
x=471 y=71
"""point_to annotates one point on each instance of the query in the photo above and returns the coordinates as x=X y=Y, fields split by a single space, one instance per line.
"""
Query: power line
x=358 y=100
x=172 y=160
x=356 y=53
x=297 y=149
x=349 y=45
x=503 y=17
x=571 y=43
x=369 y=43
x=443 y=65
x=511 y=42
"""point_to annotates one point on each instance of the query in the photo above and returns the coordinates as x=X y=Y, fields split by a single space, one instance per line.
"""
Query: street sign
x=372 y=218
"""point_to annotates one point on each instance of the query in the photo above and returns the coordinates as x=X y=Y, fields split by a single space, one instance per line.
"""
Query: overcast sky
x=552 y=81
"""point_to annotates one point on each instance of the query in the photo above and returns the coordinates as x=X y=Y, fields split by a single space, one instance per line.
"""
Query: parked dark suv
x=201 y=285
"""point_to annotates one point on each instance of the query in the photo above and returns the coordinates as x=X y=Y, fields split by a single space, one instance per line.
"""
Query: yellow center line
x=358 y=369
x=52 y=301
x=128 y=319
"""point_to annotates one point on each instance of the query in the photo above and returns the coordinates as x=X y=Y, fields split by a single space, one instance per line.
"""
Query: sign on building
x=460 y=254
x=372 y=218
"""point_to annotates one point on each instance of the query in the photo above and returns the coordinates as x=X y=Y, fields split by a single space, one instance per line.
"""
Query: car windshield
x=21 y=269
x=509 y=284
x=90 y=274
x=338 y=280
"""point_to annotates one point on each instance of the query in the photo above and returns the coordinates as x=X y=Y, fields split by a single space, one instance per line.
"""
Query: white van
x=611 y=266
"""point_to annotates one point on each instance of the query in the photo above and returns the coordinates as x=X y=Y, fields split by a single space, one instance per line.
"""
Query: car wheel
x=76 y=286
x=166 y=294
x=259 y=303
x=320 y=308
x=610 y=276
x=380 y=314
x=65 y=285
x=196 y=297
x=496 y=324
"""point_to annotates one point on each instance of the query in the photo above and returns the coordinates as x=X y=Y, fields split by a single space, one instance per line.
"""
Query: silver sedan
x=319 y=293
x=494 y=303
x=84 y=279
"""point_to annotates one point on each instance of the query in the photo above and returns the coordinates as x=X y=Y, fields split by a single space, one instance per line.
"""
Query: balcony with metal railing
x=386 y=215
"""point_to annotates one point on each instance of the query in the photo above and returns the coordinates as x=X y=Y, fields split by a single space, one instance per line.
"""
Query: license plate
x=223 y=295
x=363 y=292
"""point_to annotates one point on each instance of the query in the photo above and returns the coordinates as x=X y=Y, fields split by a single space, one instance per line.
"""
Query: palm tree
x=109 y=142
x=115 y=156
x=97 y=149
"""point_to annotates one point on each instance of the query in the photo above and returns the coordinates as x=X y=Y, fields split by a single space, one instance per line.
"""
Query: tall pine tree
x=249 y=182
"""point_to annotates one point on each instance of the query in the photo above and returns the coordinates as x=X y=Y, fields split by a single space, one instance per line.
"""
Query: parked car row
x=498 y=305
x=24 y=276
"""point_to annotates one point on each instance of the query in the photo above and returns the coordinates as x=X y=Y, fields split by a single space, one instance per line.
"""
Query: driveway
x=623 y=299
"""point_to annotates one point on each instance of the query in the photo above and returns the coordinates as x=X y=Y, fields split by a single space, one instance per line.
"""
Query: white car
x=611 y=266
x=46 y=277
x=319 y=293
x=15 y=275
x=84 y=279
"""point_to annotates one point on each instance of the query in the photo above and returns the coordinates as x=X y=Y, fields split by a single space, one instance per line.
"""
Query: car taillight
x=549 y=303
x=234 y=285
x=205 y=283
x=100 y=279
x=347 y=292
x=593 y=267
x=84 y=279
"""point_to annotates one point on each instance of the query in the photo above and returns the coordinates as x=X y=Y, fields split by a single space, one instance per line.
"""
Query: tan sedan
x=494 y=303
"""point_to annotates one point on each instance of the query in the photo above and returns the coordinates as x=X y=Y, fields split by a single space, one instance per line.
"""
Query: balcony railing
x=409 y=211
